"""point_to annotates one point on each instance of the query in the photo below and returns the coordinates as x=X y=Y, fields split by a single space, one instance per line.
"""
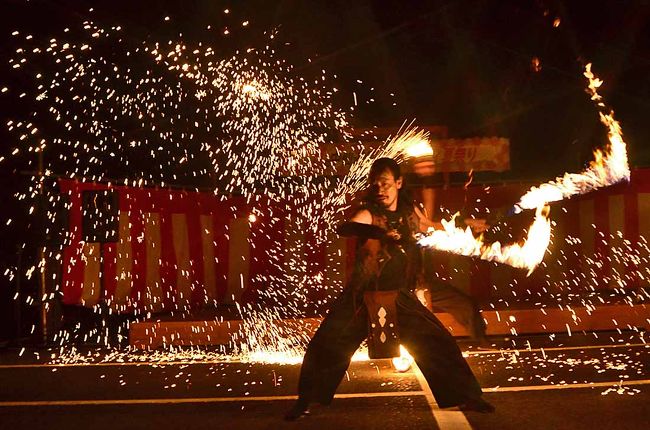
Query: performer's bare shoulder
x=362 y=216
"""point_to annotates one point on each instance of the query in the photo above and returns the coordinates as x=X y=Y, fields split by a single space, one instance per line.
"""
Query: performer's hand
x=477 y=225
x=393 y=234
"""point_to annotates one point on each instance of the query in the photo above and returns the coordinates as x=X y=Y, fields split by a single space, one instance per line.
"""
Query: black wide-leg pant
x=461 y=306
x=344 y=328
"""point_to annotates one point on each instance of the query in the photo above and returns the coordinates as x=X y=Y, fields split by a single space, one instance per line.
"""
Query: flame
x=418 y=148
x=526 y=255
x=610 y=165
x=404 y=361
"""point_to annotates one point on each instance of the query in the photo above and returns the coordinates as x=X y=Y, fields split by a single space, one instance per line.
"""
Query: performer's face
x=386 y=189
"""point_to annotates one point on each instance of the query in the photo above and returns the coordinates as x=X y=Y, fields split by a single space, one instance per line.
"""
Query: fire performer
x=387 y=259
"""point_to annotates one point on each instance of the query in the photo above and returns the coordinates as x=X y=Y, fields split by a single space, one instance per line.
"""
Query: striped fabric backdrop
x=179 y=249
x=607 y=228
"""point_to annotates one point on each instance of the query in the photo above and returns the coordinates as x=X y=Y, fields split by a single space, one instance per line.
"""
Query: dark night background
x=464 y=64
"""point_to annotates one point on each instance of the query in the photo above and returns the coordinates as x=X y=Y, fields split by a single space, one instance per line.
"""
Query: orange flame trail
x=609 y=166
x=526 y=255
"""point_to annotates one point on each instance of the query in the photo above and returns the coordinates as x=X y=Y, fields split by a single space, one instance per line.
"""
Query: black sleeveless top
x=388 y=264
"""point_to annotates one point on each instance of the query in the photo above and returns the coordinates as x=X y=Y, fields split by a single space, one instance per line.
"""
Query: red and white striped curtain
x=180 y=249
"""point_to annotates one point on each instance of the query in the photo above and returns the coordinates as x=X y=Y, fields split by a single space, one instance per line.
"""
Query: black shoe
x=298 y=410
x=477 y=405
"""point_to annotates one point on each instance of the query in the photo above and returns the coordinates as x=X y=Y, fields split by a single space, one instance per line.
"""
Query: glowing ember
x=253 y=91
x=621 y=389
x=265 y=340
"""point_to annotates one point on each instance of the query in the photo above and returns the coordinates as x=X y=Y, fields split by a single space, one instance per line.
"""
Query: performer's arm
x=477 y=225
x=426 y=223
x=363 y=217
x=360 y=225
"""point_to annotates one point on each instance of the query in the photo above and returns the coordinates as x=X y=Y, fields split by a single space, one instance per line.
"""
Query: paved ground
x=561 y=382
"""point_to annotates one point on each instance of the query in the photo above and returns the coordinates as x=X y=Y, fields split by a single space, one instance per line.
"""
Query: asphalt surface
x=583 y=381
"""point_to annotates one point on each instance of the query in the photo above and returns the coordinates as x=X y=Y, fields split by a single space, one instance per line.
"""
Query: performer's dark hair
x=379 y=166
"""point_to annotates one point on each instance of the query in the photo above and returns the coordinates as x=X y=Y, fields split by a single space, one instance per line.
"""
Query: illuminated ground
x=254 y=396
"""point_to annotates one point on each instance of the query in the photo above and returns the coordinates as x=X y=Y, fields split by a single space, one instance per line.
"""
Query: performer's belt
x=383 y=333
